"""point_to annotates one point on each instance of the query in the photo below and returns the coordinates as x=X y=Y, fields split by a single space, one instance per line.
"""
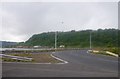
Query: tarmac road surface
x=80 y=64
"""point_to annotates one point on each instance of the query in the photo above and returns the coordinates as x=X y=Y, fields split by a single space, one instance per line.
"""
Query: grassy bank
x=37 y=58
x=31 y=51
x=103 y=52
x=110 y=49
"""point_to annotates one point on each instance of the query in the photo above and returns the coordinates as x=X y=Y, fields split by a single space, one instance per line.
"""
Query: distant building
x=62 y=46
x=37 y=46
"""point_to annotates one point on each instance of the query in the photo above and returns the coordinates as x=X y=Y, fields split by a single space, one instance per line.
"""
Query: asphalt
x=80 y=64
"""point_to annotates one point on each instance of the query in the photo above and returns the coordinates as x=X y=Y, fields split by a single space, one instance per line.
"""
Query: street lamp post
x=90 y=40
x=55 y=40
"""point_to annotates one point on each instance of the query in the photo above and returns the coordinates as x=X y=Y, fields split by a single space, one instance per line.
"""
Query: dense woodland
x=81 y=39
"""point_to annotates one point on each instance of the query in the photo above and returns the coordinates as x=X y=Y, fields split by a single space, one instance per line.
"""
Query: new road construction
x=79 y=64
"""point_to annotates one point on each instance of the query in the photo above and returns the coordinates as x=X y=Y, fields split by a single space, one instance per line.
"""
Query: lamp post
x=90 y=40
x=56 y=39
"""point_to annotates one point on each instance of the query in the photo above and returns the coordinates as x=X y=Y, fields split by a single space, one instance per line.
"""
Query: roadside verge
x=102 y=53
x=43 y=58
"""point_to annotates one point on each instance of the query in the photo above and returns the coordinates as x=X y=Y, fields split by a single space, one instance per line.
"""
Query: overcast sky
x=23 y=19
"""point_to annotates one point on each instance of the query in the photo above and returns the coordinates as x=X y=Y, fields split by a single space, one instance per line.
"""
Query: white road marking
x=65 y=62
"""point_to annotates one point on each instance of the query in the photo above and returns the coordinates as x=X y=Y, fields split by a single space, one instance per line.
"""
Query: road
x=80 y=64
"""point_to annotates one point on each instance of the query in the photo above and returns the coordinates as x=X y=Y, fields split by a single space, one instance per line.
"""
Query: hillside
x=100 y=38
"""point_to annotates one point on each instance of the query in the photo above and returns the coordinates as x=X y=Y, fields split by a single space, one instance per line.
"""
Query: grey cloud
x=22 y=20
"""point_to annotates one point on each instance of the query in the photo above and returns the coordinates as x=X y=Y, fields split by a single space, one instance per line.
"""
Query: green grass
x=37 y=58
x=111 y=49
x=31 y=51
x=101 y=53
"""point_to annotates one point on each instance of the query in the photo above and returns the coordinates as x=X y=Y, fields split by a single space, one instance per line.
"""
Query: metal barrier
x=15 y=57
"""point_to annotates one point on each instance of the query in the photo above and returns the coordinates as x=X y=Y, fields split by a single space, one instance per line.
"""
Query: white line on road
x=65 y=62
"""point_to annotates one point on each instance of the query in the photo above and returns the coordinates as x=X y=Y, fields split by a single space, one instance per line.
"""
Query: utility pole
x=55 y=40
x=90 y=40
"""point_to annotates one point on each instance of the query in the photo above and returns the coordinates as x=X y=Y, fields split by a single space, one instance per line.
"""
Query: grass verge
x=100 y=52
x=37 y=58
